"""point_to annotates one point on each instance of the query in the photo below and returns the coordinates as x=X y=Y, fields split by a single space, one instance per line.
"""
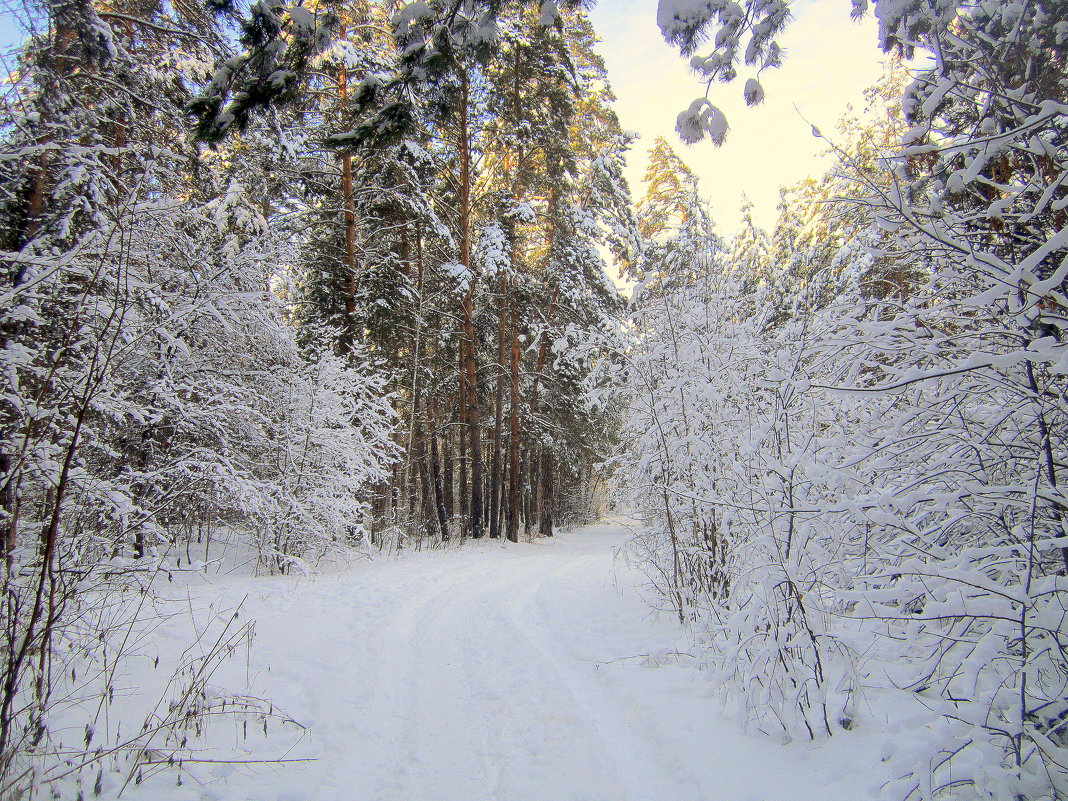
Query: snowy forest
x=319 y=319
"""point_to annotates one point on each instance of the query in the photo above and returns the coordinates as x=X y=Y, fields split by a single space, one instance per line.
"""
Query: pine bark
x=349 y=331
x=469 y=382
x=496 y=479
x=447 y=478
x=462 y=438
x=513 y=439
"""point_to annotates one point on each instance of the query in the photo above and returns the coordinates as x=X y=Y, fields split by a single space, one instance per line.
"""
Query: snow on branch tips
x=741 y=37
x=702 y=119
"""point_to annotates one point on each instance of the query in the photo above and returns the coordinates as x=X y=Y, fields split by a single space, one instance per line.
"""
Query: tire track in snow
x=541 y=748
x=501 y=711
x=364 y=762
x=644 y=765
x=494 y=672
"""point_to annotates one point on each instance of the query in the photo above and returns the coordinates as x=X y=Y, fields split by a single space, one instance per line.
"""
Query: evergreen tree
x=681 y=243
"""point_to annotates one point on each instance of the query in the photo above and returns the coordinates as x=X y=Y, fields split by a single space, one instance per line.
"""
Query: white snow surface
x=529 y=672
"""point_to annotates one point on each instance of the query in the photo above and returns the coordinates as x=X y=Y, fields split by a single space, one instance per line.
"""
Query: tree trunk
x=348 y=333
x=416 y=445
x=426 y=512
x=536 y=489
x=496 y=479
x=412 y=473
x=546 y=493
x=513 y=440
x=461 y=436
x=534 y=514
x=470 y=371
x=530 y=497
x=435 y=474
x=8 y=511
x=447 y=477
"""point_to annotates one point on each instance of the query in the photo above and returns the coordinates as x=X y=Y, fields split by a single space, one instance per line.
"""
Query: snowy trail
x=515 y=672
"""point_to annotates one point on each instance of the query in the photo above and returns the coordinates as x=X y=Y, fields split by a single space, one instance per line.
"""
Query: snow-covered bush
x=728 y=449
x=919 y=433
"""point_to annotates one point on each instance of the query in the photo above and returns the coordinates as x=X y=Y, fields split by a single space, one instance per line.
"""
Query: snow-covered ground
x=531 y=672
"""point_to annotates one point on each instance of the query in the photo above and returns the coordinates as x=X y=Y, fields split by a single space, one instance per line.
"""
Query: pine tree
x=681 y=242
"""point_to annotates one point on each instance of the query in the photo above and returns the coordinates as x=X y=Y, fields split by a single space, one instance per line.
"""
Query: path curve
x=501 y=672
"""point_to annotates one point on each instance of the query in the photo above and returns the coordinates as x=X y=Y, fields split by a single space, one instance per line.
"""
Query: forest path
x=501 y=672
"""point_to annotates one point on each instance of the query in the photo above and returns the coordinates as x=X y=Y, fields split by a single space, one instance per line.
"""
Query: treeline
x=848 y=436
x=456 y=239
x=316 y=276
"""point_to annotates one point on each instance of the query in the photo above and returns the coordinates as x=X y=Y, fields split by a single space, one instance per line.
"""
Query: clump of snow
x=702 y=119
x=753 y=93
x=411 y=14
x=549 y=13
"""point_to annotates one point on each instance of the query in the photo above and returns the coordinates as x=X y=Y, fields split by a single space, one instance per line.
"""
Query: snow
x=676 y=17
x=754 y=92
x=699 y=120
x=549 y=13
x=412 y=13
x=515 y=672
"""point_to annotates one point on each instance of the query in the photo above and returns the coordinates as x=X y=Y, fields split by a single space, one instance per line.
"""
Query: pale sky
x=830 y=60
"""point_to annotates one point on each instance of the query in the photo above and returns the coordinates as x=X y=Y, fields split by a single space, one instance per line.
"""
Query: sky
x=830 y=60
